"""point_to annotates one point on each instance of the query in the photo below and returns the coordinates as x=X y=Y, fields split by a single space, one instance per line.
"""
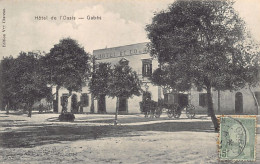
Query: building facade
x=138 y=57
x=141 y=62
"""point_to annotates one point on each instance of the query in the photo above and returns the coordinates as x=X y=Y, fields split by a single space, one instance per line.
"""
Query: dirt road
x=92 y=139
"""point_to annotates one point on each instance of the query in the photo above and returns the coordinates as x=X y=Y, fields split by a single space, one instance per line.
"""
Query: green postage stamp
x=237 y=138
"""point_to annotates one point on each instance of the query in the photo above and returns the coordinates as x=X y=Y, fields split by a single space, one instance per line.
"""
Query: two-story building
x=138 y=57
x=141 y=62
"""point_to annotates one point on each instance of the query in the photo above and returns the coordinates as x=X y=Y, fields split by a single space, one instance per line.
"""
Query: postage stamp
x=237 y=138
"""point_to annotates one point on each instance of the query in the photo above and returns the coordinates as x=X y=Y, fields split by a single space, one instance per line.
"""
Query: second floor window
x=147 y=67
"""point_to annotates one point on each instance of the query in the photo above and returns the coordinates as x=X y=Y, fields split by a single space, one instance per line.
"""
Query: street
x=92 y=138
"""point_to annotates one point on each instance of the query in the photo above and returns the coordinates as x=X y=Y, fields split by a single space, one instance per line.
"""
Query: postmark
x=237 y=138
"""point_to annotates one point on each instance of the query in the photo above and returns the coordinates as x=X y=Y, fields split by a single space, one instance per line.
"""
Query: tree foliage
x=22 y=80
x=8 y=80
x=99 y=83
x=124 y=82
x=200 y=43
x=67 y=65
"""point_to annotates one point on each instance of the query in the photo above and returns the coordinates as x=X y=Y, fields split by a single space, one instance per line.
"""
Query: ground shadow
x=4 y=116
x=35 y=136
x=11 y=120
x=123 y=120
x=16 y=113
x=53 y=119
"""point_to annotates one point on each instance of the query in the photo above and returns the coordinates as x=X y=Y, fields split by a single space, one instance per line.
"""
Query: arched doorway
x=239 y=103
x=74 y=103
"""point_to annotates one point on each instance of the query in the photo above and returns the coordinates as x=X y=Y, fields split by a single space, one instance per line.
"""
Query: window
x=147 y=67
x=257 y=95
x=84 y=100
x=203 y=99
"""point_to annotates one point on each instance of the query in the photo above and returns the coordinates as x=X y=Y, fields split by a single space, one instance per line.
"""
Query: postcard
x=129 y=81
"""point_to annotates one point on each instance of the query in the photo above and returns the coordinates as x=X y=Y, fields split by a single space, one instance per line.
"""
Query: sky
x=122 y=22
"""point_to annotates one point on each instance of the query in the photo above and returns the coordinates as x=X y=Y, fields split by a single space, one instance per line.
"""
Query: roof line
x=120 y=46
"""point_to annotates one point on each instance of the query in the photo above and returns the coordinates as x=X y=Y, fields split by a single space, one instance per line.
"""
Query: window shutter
x=87 y=100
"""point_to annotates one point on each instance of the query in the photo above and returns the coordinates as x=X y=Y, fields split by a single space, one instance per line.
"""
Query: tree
x=100 y=79
x=67 y=65
x=251 y=65
x=124 y=82
x=22 y=80
x=198 y=43
x=8 y=82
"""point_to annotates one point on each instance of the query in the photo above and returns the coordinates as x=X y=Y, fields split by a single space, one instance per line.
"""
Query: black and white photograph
x=129 y=81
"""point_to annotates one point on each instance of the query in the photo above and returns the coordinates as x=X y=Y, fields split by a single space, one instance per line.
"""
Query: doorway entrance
x=102 y=104
x=183 y=99
x=122 y=105
x=239 y=103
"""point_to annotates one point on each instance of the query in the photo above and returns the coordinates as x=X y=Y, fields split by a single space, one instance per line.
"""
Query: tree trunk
x=211 y=110
x=117 y=106
x=92 y=107
x=256 y=102
x=218 y=101
x=56 y=104
x=92 y=104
